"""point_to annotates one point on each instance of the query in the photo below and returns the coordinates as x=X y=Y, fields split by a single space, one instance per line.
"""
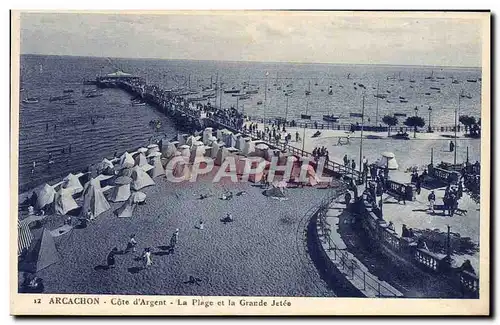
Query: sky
x=312 y=37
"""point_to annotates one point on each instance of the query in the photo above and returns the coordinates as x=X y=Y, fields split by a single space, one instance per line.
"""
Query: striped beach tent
x=24 y=236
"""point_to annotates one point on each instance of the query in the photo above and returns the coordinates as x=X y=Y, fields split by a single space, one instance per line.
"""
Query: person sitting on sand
x=227 y=196
x=132 y=243
x=201 y=226
x=111 y=257
x=229 y=218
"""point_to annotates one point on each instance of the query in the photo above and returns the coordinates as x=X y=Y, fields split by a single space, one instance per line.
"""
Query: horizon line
x=256 y=61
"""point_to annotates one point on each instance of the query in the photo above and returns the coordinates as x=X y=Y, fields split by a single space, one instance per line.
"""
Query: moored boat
x=330 y=118
x=57 y=98
x=66 y=91
x=70 y=102
x=231 y=91
x=400 y=114
x=30 y=100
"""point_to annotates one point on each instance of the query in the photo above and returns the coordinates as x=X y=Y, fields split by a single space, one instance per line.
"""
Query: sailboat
x=431 y=77
x=30 y=100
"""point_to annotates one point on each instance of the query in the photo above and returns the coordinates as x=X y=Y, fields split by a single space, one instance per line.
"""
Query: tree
x=414 y=122
x=390 y=121
x=467 y=121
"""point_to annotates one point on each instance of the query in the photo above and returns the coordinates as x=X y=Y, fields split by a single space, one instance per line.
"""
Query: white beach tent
x=248 y=147
x=207 y=136
x=94 y=199
x=64 y=201
x=185 y=151
x=44 y=195
x=152 y=148
x=388 y=160
x=182 y=139
x=126 y=210
x=240 y=142
x=215 y=149
x=72 y=183
x=229 y=139
x=220 y=133
x=140 y=159
x=182 y=169
x=261 y=149
x=168 y=150
x=140 y=178
x=121 y=192
x=155 y=160
x=126 y=160
x=197 y=151
x=192 y=140
x=221 y=156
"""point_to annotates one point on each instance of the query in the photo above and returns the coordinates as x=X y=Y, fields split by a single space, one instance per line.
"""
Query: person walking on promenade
x=353 y=165
x=111 y=258
x=418 y=185
x=432 y=199
x=297 y=136
x=347 y=198
x=146 y=257
x=132 y=243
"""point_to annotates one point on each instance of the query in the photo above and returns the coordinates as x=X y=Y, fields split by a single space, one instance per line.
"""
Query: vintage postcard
x=250 y=163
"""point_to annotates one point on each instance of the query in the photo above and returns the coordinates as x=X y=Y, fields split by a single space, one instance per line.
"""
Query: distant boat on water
x=231 y=91
x=30 y=100
x=400 y=114
x=259 y=102
x=381 y=96
x=455 y=81
x=57 y=98
x=471 y=80
x=435 y=88
x=66 y=91
x=70 y=102
x=403 y=101
x=305 y=116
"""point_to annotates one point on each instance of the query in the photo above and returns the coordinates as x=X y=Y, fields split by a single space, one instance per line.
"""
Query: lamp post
x=455 y=138
x=430 y=111
x=415 y=127
x=286 y=109
x=361 y=137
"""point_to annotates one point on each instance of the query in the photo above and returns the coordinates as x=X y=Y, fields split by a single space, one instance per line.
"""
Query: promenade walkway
x=344 y=260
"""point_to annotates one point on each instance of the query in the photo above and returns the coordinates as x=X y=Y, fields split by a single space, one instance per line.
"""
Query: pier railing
x=352 y=127
x=348 y=265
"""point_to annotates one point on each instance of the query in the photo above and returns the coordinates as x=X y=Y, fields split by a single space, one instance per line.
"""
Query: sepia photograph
x=244 y=162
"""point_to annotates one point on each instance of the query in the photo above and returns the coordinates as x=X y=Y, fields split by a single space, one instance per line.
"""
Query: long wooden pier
x=180 y=111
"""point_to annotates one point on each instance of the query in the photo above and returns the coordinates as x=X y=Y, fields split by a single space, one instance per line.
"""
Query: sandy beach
x=261 y=253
